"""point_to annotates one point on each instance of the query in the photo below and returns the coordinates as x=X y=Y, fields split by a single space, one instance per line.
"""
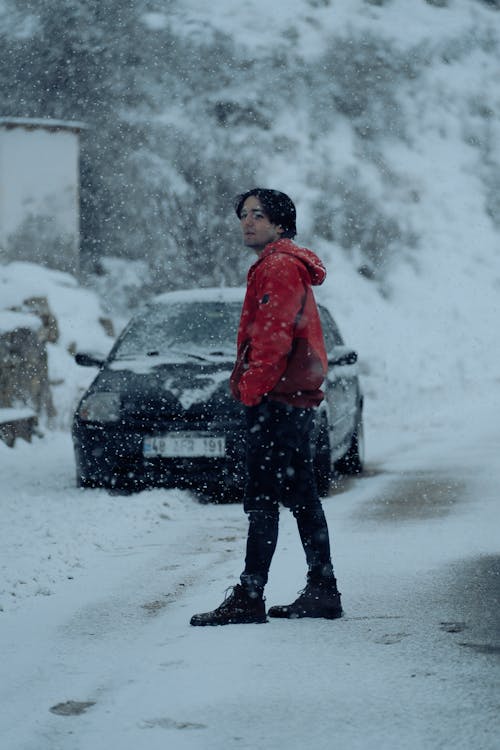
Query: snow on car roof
x=203 y=294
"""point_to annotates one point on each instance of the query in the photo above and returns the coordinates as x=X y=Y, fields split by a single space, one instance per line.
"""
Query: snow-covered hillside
x=387 y=136
x=382 y=121
x=379 y=117
x=427 y=324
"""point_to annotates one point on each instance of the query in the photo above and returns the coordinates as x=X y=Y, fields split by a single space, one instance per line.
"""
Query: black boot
x=320 y=598
x=240 y=606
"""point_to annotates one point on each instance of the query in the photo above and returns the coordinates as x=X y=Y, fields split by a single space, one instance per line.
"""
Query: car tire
x=323 y=461
x=352 y=462
x=84 y=483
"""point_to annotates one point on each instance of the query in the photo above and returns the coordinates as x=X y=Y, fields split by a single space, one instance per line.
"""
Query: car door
x=341 y=387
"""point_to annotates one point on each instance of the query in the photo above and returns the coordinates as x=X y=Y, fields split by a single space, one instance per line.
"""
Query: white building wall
x=39 y=192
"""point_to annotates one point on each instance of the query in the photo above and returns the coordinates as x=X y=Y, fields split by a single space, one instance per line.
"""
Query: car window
x=186 y=326
x=331 y=333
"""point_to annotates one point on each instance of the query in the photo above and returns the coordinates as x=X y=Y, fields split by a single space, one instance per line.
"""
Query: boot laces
x=230 y=594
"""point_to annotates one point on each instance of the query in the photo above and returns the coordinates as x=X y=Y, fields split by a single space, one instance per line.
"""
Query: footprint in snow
x=71 y=708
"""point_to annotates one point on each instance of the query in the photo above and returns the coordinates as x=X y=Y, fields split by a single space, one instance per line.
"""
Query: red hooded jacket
x=281 y=352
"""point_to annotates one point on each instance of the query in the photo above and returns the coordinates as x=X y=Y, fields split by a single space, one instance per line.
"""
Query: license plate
x=184 y=445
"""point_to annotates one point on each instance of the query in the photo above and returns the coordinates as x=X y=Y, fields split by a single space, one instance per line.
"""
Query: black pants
x=280 y=470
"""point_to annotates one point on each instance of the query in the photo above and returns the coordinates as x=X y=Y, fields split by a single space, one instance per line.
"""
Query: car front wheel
x=352 y=462
x=323 y=461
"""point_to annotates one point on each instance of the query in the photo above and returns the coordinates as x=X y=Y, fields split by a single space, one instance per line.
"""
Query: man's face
x=257 y=230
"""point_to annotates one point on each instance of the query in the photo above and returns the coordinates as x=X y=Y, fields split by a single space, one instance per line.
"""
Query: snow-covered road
x=97 y=591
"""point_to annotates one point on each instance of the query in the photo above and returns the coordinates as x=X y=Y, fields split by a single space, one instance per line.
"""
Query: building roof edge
x=30 y=123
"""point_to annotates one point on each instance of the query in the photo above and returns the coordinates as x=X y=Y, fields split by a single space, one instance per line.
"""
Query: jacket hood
x=317 y=271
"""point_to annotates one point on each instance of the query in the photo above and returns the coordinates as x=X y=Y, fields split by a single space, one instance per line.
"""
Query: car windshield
x=191 y=328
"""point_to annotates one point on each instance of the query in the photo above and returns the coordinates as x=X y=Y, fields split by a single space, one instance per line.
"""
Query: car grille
x=160 y=415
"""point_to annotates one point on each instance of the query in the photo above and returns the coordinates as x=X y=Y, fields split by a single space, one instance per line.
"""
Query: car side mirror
x=89 y=359
x=349 y=357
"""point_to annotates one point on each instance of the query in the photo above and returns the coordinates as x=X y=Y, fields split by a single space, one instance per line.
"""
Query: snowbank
x=78 y=313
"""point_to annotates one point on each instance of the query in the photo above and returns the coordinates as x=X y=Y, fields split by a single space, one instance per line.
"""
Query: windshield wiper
x=221 y=353
x=156 y=353
x=185 y=353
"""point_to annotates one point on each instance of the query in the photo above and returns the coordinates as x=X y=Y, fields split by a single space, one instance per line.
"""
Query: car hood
x=174 y=386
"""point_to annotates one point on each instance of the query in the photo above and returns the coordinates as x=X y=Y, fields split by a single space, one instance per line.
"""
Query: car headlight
x=100 y=407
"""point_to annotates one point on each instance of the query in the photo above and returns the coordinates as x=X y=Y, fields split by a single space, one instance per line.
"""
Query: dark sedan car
x=159 y=411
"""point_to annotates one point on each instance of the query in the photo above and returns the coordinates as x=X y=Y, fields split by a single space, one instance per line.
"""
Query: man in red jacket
x=280 y=366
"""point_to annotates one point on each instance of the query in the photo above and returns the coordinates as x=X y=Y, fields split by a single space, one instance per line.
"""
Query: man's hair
x=278 y=207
